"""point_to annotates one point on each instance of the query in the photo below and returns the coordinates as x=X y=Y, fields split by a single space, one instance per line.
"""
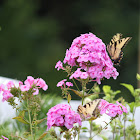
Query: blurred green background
x=36 y=33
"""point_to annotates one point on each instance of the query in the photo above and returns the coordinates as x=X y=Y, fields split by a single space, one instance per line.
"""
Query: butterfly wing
x=115 y=47
x=90 y=110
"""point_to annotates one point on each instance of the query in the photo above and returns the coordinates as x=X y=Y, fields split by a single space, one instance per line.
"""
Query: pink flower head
x=2 y=87
x=25 y=87
x=41 y=84
x=59 y=65
x=111 y=109
x=76 y=74
x=20 y=83
x=29 y=81
x=69 y=84
x=123 y=107
x=6 y=95
x=88 y=52
x=61 y=83
x=10 y=84
x=62 y=115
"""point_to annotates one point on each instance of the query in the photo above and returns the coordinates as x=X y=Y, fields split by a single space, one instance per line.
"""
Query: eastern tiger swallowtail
x=90 y=110
x=115 y=47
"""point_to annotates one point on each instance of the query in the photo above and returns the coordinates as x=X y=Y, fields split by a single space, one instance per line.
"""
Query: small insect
x=90 y=110
x=115 y=47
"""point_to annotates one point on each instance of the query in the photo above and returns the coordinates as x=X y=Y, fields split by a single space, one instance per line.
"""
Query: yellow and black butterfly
x=90 y=110
x=115 y=47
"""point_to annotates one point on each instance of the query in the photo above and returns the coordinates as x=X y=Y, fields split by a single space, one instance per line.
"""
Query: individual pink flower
x=84 y=75
x=62 y=115
x=69 y=84
x=59 y=65
x=25 y=87
x=10 y=84
x=123 y=107
x=20 y=83
x=36 y=91
x=6 y=95
x=2 y=87
x=76 y=74
x=61 y=83
x=41 y=84
x=29 y=81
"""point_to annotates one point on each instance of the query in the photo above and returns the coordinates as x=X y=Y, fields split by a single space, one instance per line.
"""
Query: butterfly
x=90 y=110
x=115 y=47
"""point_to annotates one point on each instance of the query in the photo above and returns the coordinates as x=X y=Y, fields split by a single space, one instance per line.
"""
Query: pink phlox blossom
x=2 y=87
x=69 y=84
x=10 y=84
x=29 y=81
x=6 y=95
x=40 y=83
x=20 y=83
x=76 y=74
x=62 y=115
x=25 y=87
x=61 y=83
x=59 y=65
x=123 y=107
x=111 y=109
x=84 y=75
x=88 y=51
x=36 y=91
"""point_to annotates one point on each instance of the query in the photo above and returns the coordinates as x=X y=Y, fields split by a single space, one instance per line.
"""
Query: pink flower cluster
x=4 y=138
x=88 y=53
x=30 y=81
x=62 y=84
x=6 y=90
x=111 y=109
x=62 y=115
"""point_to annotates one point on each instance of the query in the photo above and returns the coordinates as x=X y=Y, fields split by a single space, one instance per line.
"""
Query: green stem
x=35 y=123
x=90 y=89
x=114 y=130
x=75 y=84
x=30 y=121
x=102 y=128
x=90 y=130
x=83 y=89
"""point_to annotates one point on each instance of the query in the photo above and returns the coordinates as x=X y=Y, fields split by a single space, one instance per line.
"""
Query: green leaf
x=117 y=137
x=131 y=105
x=103 y=137
x=22 y=113
x=43 y=135
x=40 y=121
x=106 y=89
x=116 y=92
x=79 y=93
x=20 y=119
x=129 y=87
x=138 y=76
x=84 y=128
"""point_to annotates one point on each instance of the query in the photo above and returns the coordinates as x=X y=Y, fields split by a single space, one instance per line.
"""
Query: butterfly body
x=90 y=110
x=115 y=47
